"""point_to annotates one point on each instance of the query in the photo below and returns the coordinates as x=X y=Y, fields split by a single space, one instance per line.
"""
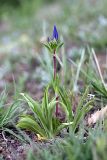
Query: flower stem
x=54 y=63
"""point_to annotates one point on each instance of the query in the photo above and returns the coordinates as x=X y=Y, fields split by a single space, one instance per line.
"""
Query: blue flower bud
x=53 y=43
x=55 y=33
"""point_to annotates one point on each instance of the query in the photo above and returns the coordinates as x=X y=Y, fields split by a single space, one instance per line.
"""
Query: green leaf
x=48 y=47
x=81 y=113
x=37 y=110
x=59 y=46
x=66 y=101
x=63 y=125
x=8 y=114
x=29 y=124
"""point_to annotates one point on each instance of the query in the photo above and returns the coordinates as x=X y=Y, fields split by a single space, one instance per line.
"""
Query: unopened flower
x=55 y=33
x=53 y=42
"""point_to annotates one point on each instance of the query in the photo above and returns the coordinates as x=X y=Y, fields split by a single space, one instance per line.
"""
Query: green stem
x=54 y=63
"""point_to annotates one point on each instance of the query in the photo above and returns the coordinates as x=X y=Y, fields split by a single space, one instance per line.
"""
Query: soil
x=11 y=148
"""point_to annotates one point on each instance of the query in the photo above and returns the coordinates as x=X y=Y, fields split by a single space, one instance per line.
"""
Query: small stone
x=12 y=141
x=4 y=144
x=9 y=157
x=1 y=149
x=20 y=149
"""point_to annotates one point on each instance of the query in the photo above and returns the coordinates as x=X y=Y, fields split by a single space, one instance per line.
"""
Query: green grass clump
x=43 y=121
x=7 y=114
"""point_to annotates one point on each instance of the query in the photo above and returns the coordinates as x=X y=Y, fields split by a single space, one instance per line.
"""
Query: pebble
x=4 y=144
x=20 y=149
x=8 y=157
x=12 y=141
x=1 y=149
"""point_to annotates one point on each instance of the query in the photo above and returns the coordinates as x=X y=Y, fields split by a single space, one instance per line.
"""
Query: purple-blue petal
x=55 y=33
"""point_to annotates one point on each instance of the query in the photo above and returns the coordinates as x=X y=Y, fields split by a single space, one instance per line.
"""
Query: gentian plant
x=42 y=121
x=53 y=44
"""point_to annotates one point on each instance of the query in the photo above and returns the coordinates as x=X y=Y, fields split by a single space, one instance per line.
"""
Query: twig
x=4 y=138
